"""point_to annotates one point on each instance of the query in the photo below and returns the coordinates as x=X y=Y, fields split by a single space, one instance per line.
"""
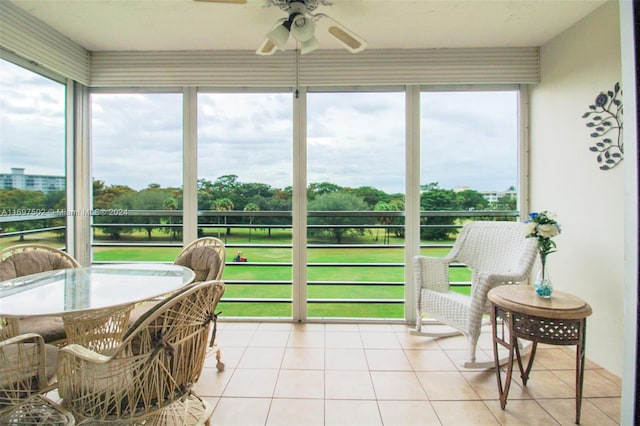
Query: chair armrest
x=25 y=360
x=79 y=351
x=432 y=273
x=25 y=337
x=485 y=282
x=83 y=373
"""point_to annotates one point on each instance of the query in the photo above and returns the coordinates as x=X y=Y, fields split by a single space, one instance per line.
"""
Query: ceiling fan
x=301 y=25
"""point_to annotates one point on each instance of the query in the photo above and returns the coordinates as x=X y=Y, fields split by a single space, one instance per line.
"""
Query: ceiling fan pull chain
x=297 y=73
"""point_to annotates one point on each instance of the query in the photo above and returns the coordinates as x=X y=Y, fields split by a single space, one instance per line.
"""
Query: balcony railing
x=355 y=260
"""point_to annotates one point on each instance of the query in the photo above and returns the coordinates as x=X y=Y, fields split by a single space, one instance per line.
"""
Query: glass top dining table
x=67 y=291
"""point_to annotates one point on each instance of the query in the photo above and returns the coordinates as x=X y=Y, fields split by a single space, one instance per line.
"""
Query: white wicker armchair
x=497 y=253
x=148 y=378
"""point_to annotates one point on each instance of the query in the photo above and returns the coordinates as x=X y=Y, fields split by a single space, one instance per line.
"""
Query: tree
x=507 y=202
x=316 y=189
x=223 y=205
x=251 y=207
x=371 y=195
x=337 y=201
x=436 y=199
x=398 y=204
x=281 y=201
x=170 y=203
x=151 y=198
x=103 y=196
x=225 y=186
x=471 y=200
x=381 y=206
x=57 y=201
x=13 y=200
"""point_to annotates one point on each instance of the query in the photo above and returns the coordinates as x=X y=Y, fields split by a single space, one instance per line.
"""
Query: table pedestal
x=559 y=320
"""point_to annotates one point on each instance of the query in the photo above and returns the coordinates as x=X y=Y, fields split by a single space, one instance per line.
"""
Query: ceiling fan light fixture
x=302 y=28
x=279 y=35
x=309 y=46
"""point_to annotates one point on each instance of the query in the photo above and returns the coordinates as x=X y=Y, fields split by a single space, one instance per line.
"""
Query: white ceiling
x=111 y=25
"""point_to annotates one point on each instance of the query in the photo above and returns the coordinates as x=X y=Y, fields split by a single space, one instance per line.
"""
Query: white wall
x=565 y=177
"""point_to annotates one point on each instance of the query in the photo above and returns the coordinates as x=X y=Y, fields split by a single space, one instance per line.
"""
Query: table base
x=516 y=325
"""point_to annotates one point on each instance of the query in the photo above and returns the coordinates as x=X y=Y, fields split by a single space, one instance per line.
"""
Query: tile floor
x=379 y=374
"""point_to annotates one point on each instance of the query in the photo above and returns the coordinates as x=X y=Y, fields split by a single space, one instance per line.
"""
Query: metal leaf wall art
x=605 y=117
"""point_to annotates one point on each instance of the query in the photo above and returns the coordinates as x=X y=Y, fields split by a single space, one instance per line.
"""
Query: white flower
x=530 y=228
x=548 y=230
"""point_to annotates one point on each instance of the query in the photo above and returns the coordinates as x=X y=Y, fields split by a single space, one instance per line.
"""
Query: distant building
x=490 y=196
x=18 y=180
x=494 y=196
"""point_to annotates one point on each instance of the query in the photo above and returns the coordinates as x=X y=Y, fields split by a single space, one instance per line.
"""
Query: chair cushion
x=448 y=307
x=12 y=352
x=140 y=311
x=21 y=264
x=204 y=261
x=50 y=328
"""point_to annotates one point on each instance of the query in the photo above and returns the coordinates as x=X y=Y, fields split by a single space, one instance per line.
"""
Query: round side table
x=558 y=320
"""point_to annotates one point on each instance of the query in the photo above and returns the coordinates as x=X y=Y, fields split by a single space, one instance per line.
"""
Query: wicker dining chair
x=149 y=377
x=497 y=253
x=205 y=256
x=25 y=259
x=27 y=370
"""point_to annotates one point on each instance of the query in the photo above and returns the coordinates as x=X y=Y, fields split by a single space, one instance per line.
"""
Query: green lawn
x=251 y=273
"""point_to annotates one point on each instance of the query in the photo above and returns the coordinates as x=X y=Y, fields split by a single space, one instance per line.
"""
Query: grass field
x=247 y=280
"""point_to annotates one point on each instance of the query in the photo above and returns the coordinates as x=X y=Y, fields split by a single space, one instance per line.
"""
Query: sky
x=468 y=139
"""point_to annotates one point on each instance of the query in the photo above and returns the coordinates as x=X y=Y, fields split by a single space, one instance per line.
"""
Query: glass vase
x=542 y=284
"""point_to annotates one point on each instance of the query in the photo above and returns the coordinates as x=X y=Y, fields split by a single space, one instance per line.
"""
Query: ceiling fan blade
x=347 y=38
x=266 y=48
x=223 y=1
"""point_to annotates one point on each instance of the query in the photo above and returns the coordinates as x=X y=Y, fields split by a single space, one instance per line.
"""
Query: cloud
x=469 y=139
x=354 y=138
x=32 y=131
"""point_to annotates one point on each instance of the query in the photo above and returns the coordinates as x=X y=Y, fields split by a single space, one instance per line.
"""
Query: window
x=137 y=176
x=356 y=175
x=32 y=158
x=468 y=164
x=244 y=196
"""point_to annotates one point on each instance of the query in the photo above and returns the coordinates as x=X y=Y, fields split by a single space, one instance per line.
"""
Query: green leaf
x=593 y=149
x=586 y=114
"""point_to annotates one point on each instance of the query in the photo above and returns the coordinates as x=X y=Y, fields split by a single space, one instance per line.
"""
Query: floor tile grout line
x=404 y=348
